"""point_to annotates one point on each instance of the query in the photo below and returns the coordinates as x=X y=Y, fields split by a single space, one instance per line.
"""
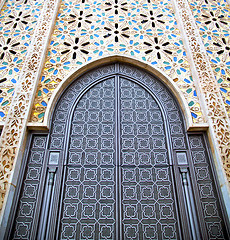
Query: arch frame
x=103 y=64
x=70 y=102
x=157 y=73
x=191 y=127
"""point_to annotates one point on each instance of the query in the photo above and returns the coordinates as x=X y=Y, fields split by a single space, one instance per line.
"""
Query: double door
x=117 y=165
x=118 y=176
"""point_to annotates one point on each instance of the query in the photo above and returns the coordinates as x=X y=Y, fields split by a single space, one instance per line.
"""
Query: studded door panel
x=207 y=189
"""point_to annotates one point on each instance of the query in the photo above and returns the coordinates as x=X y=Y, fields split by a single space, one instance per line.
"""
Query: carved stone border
x=14 y=132
x=209 y=93
x=121 y=59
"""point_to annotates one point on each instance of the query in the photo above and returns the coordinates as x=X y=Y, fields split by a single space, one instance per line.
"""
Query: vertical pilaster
x=12 y=143
x=209 y=93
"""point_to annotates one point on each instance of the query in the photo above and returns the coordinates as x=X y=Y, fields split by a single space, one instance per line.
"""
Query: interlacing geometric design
x=92 y=180
x=15 y=124
x=114 y=126
x=86 y=30
x=213 y=21
x=207 y=191
x=31 y=186
x=18 y=20
x=209 y=87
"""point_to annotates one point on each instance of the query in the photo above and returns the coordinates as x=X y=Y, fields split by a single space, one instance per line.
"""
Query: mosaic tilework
x=18 y=21
x=213 y=21
x=86 y=30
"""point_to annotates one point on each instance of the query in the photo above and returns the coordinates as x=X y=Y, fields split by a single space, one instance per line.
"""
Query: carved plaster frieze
x=209 y=89
x=15 y=125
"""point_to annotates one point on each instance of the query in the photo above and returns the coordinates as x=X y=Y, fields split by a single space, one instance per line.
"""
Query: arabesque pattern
x=18 y=20
x=218 y=118
x=86 y=30
x=213 y=21
x=16 y=120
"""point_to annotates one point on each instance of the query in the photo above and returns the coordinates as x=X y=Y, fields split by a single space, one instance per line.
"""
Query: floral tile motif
x=213 y=21
x=18 y=21
x=86 y=30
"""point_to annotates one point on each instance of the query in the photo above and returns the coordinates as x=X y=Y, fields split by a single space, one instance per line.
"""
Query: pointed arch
x=122 y=59
x=121 y=120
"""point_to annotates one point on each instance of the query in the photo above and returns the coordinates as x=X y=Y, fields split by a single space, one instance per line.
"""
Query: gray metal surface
x=118 y=165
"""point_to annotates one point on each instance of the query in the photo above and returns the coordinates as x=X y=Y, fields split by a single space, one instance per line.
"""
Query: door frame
x=57 y=96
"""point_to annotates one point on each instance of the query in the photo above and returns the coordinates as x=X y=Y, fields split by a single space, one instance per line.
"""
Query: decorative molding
x=212 y=22
x=111 y=59
x=212 y=101
x=14 y=131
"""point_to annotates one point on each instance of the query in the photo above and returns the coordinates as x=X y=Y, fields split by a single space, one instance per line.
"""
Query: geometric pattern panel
x=116 y=130
x=171 y=109
x=207 y=189
x=118 y=177
x=88 y=208
x=86 y=30
x=18 y=20
x=147 y=202
x=29 y=192
x=213 y=22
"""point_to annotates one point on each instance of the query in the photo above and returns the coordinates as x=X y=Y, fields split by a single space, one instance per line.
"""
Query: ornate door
x=117 y=164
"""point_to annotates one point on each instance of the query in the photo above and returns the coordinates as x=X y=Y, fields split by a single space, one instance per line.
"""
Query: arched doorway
x=118 y=164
